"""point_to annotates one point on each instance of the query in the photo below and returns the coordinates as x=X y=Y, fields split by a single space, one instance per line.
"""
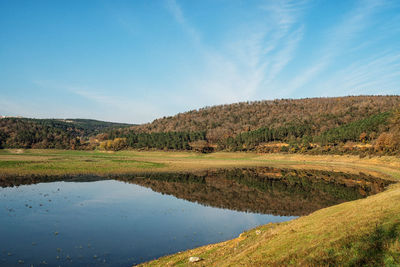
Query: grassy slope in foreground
x=360 y=232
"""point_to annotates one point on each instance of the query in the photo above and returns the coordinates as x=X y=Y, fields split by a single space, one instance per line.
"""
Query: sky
x=135 y=61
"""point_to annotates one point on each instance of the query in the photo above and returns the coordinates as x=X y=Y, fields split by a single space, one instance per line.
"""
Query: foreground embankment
x=356 y=233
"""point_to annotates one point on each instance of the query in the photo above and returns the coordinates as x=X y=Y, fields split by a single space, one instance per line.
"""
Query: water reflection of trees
x=263 y=189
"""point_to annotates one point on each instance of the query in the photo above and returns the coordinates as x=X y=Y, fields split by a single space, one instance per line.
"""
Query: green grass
x=12 y=163
x=59 y=162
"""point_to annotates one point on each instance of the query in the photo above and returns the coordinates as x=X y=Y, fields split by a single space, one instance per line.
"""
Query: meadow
x=22 y=162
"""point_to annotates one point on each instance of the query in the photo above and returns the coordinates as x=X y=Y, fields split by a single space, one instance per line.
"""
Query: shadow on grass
x=378 y=248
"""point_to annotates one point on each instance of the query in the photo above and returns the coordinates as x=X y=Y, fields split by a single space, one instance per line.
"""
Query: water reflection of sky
x=107 y=223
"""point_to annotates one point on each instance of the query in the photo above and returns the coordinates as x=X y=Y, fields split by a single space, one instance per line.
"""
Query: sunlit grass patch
x=13 y=163
x=59 y=162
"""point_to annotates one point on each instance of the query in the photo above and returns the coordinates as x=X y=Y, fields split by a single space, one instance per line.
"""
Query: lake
x=86 y=221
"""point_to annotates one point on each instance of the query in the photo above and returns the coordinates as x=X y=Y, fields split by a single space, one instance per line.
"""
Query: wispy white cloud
x=306 y=76
x=285 y=13
x=243 y=66
x=339 y=41
x=177 y=13
x=284 y=55
x=366 y=76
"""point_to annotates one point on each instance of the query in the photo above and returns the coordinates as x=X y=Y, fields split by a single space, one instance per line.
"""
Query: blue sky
x=134 y=61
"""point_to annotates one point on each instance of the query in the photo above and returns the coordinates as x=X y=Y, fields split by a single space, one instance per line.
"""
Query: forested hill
x=50 y=133
x=320 y=113
x=354 y=124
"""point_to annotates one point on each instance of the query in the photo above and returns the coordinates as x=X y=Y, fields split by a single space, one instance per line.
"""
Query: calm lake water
x=121 y=223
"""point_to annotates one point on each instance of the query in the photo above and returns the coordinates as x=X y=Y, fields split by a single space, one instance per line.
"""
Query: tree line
x=381 y=131
x=117 y=140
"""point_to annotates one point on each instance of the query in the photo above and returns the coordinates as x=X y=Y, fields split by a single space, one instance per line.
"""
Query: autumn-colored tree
x=201 y=146
x=363 y=137
x=115 y=145
x=74 y=143
x=119 y=144
x=387 y=142
x=395 y=121
x=390 y=141
x=396 y=116
x=380 y=143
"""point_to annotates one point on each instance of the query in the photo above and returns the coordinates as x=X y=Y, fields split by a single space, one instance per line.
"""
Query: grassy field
x=361 y=232
x=65 y=162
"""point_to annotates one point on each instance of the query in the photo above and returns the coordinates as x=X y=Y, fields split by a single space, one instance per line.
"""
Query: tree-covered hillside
x=50 y=133
x=320 y=113
x=316 y=125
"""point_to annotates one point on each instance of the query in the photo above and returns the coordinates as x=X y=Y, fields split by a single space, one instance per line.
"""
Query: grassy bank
x=69 y=162
x=357 y=233
x=361 y=232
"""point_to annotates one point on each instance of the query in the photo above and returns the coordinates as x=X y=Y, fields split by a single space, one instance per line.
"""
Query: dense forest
x=320 y=113
x=357 y=134
x=354 y=124
x=51 y=133
x=120 y=139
